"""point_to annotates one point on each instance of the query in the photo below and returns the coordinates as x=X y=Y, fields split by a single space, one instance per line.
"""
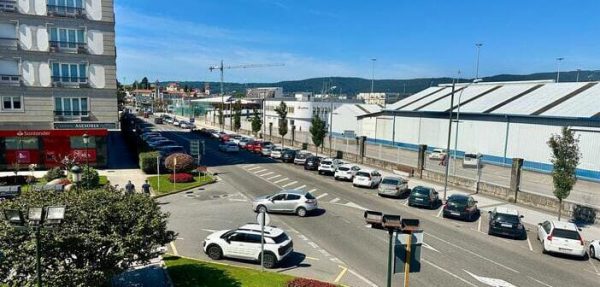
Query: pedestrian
x=129 y=187
x=443 y=161
x=146 y=188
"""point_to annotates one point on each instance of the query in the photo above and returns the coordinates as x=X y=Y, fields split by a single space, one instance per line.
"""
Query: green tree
x=256 y=122
x=136 y=85
x=318 y=130
x=221 y=116
x=120 y=94
x=282 y=111
x=565 y=159
x=144 y=83
x=237 y=115
x=104 y=232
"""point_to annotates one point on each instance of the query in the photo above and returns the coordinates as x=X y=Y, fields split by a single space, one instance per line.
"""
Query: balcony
x=68 y=47
x=10 y=80
x=8 y=6
x=65 y=11
x=69 y=82
x=72 y=116
x=9 y=43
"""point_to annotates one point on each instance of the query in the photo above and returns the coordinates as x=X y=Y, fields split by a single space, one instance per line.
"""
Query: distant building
x=173 y=87
x=264 y=93
x=372 y=98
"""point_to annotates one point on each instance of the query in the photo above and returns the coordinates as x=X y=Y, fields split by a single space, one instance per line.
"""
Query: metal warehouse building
x=500 y=120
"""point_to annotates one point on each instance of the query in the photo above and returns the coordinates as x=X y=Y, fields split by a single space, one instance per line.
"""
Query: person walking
x=129 y=187
x=146 y=188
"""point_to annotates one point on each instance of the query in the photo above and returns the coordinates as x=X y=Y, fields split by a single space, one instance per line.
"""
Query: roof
x=565 y=225
x=506 y=210
x=270 y=231
x=294 y=191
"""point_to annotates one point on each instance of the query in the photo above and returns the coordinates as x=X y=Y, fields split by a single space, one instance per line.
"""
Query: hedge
x=148 y=162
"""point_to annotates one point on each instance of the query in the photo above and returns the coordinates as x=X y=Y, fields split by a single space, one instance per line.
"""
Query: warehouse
x=500 y=120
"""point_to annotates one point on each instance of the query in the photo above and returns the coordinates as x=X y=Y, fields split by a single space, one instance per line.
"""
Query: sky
x=179 y=40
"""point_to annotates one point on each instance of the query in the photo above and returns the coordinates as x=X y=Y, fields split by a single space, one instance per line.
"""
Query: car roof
x=565 y=225
x=458 y=197
x=369 y=170
x=270 y=231
x=506 y=210
x=394 y=178
x=348 y=165
x=294 y=191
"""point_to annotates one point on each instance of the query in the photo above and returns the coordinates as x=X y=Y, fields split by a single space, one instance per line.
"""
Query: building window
x=74 y=107
x=19 y=143
x=12 y=103
x=67 y=38
x=69 y=73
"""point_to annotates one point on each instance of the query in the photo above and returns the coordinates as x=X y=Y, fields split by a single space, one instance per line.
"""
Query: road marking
x=538 y=281
x=312 y=258
x=281 y=180
x=490 y=281
x=430 y=248
x=479 y=224
x=529 y=243
x=449 y=273
x=252 y=168
x=208 y=230
x=473 y=253
x=265 y=174
x=591 y=263
x=237 y=199
x=354 y=205
x=174 y=248
x=339 y=277
x=440 y=213
x=291 y=183
x=322 y=195
x=335 y=200
x=312 y=190
x=362 y=278
x=273 y=177
x=300 y=187
x=257 y=172
x=406 y=203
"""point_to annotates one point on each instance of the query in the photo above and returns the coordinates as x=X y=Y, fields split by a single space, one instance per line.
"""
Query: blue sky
x=180 y=39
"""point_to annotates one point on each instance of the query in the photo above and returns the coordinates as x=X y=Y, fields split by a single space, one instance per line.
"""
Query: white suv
x=561 y=237
x=244 y=243
x=329 y=165
x=367 y=178
x=346 y=172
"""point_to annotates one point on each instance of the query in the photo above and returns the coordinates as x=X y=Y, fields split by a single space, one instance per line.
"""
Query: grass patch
x=167 y=187
x=187 y=272
x=103 y=180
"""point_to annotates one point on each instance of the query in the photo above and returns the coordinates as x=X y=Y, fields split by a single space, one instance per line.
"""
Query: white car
x=595 y=249
x=229 y=147
x=176 y=122
x=244 y=243
x=561 y=237
x=244 y=141
x=236 y=139
x=367 y=178
x=471 y=160
x=346 y=172
x=437 y=154
x=329 y=165
x=276 y=152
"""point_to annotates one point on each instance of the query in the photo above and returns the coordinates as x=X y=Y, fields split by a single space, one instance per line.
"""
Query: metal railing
x=10 y=43
x=71 y=116
x=68 y=47
x=8 y=6
x=69 y=82
x=66 y=11
x=10 y=80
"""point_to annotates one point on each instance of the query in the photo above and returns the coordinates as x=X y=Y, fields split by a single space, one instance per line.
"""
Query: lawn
x=187 y=272
x=167 y=187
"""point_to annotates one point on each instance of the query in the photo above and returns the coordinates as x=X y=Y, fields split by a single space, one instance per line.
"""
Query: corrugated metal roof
x=406 y=101
x=538 y=99
x=583 y=105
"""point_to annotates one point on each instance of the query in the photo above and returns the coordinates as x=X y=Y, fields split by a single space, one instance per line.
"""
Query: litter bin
x=304 y=146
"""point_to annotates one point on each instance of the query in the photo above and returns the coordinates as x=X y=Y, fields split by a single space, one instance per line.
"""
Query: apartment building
x=57 y=80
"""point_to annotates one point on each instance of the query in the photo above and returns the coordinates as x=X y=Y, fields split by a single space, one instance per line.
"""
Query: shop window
x=77 y=142
x=19 y=143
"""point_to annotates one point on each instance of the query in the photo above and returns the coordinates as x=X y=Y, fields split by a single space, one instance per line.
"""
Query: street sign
x=194 y=147
x=400 y=251
x=259 y=219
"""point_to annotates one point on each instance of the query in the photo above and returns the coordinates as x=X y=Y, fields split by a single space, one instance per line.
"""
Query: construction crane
x=222 y=68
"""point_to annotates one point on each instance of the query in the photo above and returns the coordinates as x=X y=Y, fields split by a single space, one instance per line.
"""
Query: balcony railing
x=12 y=80
x=8 y=6
x=71 y=116
x=68 y=47
x=69 y=82
x=10 y=43
x=65 y=11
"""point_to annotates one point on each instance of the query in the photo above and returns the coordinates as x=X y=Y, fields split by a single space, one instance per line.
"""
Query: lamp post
x=37 y=218
x=457 y=121
x=76 y=171
x=558 y=68
x=372 y=75
x=449 y=134
x=478 y=45
x=86 y=141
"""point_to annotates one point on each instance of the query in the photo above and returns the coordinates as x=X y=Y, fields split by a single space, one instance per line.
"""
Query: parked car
x=471 y=160
x=186 y=125
x=288 y=155
x=329 y=165
x=262 y=145
x=169 y=150
x=244 y=141
x=168 y=120
x=393 y=186
x=155 y=145
x=146 y=136
x=423 y=196
x=224 y=137
x=152 y=139
x=175 y=122
x=507 y=222
x=245 y=243
x=276 y=152
x=301 y=157
x=229 y=147
x=251 y=145
x=367 y=178
x=461 y=206
x=346 y=172
x=561 y=237
x=438 y=154
x=312 y=162
x=595 y=249
x=289 y=201
x=236 y=139
x=266 y=151
x=158 y=120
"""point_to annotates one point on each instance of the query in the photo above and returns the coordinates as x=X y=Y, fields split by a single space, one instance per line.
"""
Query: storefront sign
x=53 y=133
x=23 y=156
x=82 y=154
x=62 y=126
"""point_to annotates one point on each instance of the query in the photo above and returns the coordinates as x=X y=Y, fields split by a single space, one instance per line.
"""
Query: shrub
x=89 y=177
x=54 y=173
x=14 y=180
x=148 y=162
x=185 y=162
x=303 y=282
x=181 y=177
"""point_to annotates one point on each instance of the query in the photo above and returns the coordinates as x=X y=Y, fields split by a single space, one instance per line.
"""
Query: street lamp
x=76 y=171
x=475 y=81
x=478 y=45
x=558 y=68
x=37 y=218
x=86 y=141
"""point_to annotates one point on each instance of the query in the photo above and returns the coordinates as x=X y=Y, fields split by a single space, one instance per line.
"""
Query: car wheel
x=215 y=252
x=543 y=247
x=301 y=211
x=336 y=178
x=261 y=209
x=592 y=252
x=269 y=260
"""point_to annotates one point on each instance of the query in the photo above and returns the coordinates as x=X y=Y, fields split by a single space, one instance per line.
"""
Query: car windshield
x=309 y=196
x=421 y=191
x=362 y=173
x=343 y=168
x=390 y=181
x=300 y=155
x=326 y=162
x=457 y=201
x=277 y=149
x=506 y=218
x=564 y=233
x=281 y=238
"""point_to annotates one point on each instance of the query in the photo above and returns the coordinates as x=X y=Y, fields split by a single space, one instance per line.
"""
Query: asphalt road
x=456 y=253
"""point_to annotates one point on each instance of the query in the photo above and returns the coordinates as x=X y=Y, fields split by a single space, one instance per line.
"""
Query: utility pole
x=449 y=135
x=578 y=70
x=478 y=45
x=558 y=68
x=372 y=75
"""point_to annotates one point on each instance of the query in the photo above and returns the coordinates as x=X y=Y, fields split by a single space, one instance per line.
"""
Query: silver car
x=393 y=186
x=288 y=201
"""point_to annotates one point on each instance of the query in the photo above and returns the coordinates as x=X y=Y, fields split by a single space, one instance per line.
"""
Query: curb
x=179 y=191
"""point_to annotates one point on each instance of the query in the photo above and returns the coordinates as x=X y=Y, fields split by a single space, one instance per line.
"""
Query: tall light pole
x=458 y=120
x=478 y=45
x=372 y=75
x=558 y=68
x=449 y=134
x=578 y=71
x=86 y=141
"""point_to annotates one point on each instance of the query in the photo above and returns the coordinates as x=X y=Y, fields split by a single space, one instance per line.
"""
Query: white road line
x=335 y=200
x=265 y=174
x=430 y=248
x=250 y=165
x=209 y=230
x=300 y=187
x=538 y=281
x=529 y=243
x=281 y=180
x=449 y=273
x=272 y=177
x=479 y=224
x=291 y=183
x=362 y=278
x=406 y=203
x=256 y=172
x=174 y=248
x=490 y=281
x=312 y=190
x=440 y=213
x=322 y=195
x=252 y=168
x=354 y=205
x=473 y=253
x=595 y=269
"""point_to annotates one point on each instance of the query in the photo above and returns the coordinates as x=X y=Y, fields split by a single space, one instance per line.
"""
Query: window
x=252 y=238
x=278 y=197
x=292 y=197
x=66 y=3
x=77 y=142
x=64 y=106
x=69 y=73
x=12 y=103
x=18 y=143
x=66 y=38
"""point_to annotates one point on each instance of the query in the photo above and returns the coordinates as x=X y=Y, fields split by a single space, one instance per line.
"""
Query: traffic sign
x=414 y=252
x=194 y=147
x=267 y=219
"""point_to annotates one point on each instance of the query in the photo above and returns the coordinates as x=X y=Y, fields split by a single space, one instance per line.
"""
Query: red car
x=260 y=145
x=250 y=145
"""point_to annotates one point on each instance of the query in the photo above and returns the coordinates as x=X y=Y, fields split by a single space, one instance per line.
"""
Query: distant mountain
x=353 y=86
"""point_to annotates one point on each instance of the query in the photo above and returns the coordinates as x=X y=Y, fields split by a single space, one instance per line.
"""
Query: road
x=456 y=253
